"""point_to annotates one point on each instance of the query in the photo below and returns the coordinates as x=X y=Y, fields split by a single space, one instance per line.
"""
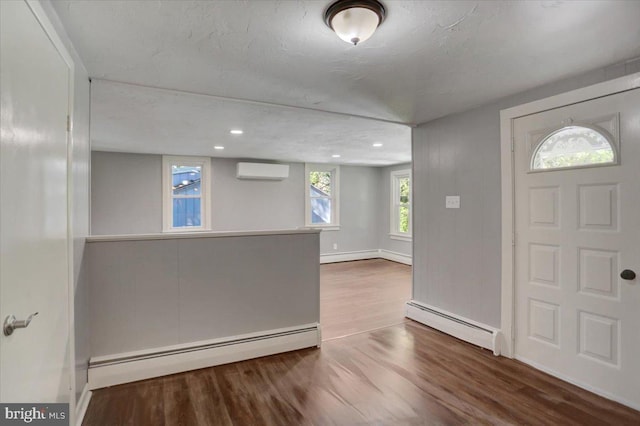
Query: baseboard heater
x=132 y=366
x=464 y=329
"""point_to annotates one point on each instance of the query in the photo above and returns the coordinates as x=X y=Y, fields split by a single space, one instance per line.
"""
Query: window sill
x=324 y=227
x=185 y=230
x=400 y=237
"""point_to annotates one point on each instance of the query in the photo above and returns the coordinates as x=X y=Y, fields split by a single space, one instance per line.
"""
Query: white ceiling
x=427 y=60
x=128 y=118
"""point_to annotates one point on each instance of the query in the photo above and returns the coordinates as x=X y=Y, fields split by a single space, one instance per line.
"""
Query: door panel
x=576 y=230
x=34 y=362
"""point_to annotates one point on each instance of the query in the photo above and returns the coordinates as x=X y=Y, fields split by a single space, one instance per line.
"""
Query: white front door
x=34 y=275
x=577 y=230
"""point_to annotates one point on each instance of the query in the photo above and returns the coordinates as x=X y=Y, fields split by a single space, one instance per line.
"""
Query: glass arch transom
x=573 y=146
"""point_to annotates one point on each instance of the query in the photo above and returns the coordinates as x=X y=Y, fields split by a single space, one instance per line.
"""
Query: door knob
x=628 y=274
x=11 y=323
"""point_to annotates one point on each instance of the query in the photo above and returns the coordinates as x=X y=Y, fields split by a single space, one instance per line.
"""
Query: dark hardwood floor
x=403 y=374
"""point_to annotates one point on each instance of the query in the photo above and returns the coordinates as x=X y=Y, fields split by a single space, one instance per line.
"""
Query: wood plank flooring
x=362 y=296
x=404 y=374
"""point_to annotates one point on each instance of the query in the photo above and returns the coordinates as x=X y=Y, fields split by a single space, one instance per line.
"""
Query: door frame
x=507 y=117
x=45 y=21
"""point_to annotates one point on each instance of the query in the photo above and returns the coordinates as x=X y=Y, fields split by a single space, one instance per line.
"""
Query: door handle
x=11 y=323
x=628 y=274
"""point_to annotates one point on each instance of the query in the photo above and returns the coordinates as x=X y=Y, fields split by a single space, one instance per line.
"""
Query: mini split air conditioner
x=262 y=171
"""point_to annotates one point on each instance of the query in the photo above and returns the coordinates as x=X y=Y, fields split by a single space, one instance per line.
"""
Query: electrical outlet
x=335 y=246
x=452 y=202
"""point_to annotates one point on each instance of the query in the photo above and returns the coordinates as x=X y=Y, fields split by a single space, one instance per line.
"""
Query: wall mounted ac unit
x=262 y=171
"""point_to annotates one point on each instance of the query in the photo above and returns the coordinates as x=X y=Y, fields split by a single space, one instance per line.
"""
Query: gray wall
x=359 y=212
x=126 y=195
x=126 y=199
x=240 y=205
x=154 y=293
x=457 y=260
x=81 y=158
x=385 y=241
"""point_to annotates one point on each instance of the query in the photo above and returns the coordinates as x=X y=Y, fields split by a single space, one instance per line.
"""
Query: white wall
x=126 y=199
x=80 y=158
x=457 y=258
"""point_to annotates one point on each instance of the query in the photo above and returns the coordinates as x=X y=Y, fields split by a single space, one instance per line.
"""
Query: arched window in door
x=573 y=146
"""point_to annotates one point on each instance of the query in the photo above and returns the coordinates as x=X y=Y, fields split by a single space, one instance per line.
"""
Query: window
x=401 y=205
x=322 y=183
x=573 y=146
x=185 y=193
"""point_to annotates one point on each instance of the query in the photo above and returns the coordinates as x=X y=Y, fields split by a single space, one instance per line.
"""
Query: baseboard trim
x=396 y=257
x=590 y=388
x=130 y=367
x=462 y=328
x=83 y=404
x=349 y=256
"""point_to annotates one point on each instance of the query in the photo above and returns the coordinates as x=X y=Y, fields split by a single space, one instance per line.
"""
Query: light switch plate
x=452 y=201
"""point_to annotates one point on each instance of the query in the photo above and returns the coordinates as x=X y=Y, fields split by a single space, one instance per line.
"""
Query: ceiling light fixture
x=218 y=147
x=336 y=155
x=377 y=145
x=354 y=21
x=236 y=132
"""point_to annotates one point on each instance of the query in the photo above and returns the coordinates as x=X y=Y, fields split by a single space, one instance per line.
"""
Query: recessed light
x=218 y=147
x=377 y=145
x=336 y=155
x=236 y=132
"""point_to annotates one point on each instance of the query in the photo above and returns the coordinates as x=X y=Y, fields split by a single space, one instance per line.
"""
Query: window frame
x=334 y=169
x=168 y=161
x=394 y=205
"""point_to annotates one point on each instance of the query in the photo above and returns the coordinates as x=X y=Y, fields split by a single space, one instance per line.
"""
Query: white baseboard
x=395 y=256
x=129 y=367
x=348 y=256
x=464 y=329
x=590 y=388
x=83 y=404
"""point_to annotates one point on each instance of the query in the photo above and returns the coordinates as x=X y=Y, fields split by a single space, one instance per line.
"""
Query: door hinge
x=68 y=123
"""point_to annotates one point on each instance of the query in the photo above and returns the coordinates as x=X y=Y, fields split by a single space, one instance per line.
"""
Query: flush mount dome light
x=354 y=21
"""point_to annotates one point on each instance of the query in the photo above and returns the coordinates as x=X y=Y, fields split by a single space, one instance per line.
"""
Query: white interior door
x=34 y=275
x=577 y=229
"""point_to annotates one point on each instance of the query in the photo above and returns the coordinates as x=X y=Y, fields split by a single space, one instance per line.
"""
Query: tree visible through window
x=401 y=203
x=573 y=146
x=403 y=223
x=320 y=193
x=322 y=201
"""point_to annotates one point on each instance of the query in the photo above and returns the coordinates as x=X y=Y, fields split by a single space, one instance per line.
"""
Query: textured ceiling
x=128 y=118
x=427 y=60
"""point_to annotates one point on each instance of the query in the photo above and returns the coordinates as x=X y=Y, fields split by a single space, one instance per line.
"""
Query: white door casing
x=575 y=231
x=35 y=363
